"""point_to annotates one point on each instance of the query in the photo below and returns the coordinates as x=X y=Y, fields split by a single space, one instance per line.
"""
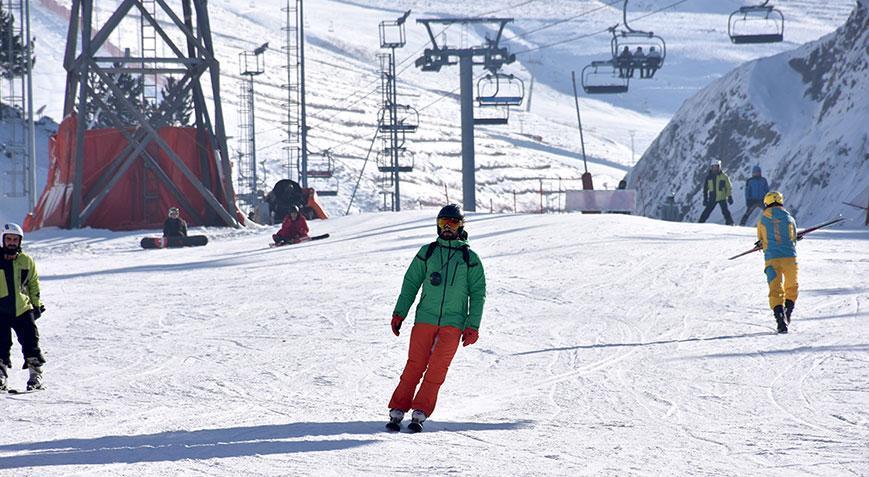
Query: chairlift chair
x=602 y=77
x=408 y=119
x=406 y=160
x=321 y=169
x=498 y=89
x=756 y=24
x=491 y=115
x=638 y=39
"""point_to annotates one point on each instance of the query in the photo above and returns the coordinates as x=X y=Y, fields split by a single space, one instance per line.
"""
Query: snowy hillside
x=13 y=201
x=541 y=143
x=610 y=345
x=800 y=115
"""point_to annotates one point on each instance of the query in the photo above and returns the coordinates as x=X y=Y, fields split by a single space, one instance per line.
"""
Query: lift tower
x=191 y=59
x=492 y=57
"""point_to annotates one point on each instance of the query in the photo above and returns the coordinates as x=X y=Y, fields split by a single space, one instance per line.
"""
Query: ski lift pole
x=586 y=176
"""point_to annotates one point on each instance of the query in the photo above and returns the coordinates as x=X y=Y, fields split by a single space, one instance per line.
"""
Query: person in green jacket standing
x=717 y=191
x=449 y=310
x=20 y=306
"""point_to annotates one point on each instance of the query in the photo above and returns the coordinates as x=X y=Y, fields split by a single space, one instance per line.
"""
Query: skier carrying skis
x=717 y=191
x=449 y=310
x=777 y=234
x=174 y=226
x=293 y=230
x=756 y=188
x=20 y=306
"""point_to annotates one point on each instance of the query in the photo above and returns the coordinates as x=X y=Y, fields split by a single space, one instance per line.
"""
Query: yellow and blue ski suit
x=777 y=232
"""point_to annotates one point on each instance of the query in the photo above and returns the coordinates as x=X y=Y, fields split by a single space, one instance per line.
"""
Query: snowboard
x=174 y=242
x=23 y=391
x=315 y=237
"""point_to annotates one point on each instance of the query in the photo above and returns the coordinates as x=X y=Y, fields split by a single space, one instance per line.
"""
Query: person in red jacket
x=293 y=230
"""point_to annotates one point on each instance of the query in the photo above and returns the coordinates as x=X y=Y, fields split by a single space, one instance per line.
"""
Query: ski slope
x=610 y=345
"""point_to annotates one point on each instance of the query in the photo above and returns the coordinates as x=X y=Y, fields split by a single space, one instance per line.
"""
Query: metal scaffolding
x=291 y=49
x=18 y=150
x=251 y=64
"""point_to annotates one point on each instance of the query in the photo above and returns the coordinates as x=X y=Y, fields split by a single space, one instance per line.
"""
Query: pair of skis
x=758 y=246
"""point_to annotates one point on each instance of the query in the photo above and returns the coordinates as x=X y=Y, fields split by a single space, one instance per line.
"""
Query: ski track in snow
x=610 y=345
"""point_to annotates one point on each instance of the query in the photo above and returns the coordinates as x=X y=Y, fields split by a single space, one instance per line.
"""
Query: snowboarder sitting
x=450 y=309
x=20 y=306
x=756 y=188
x=174 y=226
x=717 y=190
x=777 y=234
x=293 y=230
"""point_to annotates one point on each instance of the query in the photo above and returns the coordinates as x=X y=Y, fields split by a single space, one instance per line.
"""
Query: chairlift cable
x=580 y=37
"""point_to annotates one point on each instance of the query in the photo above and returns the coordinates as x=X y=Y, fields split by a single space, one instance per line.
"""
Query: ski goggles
x=453 y=223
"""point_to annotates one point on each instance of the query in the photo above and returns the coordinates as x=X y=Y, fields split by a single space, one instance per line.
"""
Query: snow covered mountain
x=800 y=115
x=551 y=39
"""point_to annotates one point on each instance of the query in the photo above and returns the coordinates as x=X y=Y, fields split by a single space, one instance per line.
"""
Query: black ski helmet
x=453 y=211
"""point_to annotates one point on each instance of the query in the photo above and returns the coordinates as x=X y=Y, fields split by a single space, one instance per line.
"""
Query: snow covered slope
x=541 y=142
x=610 y=345
x=800 y=115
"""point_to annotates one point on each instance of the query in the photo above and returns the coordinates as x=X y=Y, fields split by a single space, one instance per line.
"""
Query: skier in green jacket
x=449 y=310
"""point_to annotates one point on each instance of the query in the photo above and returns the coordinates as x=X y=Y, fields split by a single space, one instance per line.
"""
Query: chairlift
x=636 y=49
x=491 y=115
x=321 y=170
x=407 y=119
x=602 y=77
x=755 y=24
x=498 y=89
x=406 y=160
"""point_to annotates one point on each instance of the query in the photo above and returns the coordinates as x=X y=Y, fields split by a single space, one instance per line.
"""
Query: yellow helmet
x=773 y=197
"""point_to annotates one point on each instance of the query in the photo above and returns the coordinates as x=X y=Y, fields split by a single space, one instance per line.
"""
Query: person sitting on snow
x=174 y=226
x=293 y=230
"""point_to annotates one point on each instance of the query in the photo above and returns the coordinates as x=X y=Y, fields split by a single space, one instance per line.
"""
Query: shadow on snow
x=213 y=443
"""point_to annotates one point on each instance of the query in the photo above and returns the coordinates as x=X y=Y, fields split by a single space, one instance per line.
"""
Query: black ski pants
x=749 y=208
x=724 y=210
x=27 y=333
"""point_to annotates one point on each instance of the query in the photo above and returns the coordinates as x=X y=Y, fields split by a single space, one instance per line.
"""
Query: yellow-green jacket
x=717 y=187
x=25 y=282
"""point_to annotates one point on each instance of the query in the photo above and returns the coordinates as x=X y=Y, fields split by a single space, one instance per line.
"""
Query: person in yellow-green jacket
x=20 y=306
x=777 y=234
x=717 y=191
x=450 y=309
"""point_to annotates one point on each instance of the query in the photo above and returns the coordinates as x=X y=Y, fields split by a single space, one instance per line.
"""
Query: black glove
x=37 y=312
x=730 y=200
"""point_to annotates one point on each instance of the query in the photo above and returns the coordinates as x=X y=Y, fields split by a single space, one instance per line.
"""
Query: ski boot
x=779 y=313
x=3 y=376
x=416 y=420
x=789 y=308
x=395 y=418
x=35 y=367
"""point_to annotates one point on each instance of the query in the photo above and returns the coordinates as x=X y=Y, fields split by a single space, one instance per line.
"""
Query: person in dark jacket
x=20 y=307
x=717 y=191
x=174 y=226
x=450 y=310
x=294 y=228
x=756 y=188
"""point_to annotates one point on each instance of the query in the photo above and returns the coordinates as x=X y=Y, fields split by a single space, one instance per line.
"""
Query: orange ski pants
x=431 y=351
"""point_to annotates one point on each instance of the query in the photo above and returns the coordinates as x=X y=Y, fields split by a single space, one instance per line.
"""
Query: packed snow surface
x=610 y=345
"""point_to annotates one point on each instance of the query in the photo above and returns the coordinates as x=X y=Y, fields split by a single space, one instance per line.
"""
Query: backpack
x=466 y=254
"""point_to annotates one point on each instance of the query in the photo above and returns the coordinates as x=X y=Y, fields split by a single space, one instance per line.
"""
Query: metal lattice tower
x=492 y=57
x=148 y=49
x=190 y=59
x=394 y=120
x=18 y=151
x=251 y=64
x=293 y=143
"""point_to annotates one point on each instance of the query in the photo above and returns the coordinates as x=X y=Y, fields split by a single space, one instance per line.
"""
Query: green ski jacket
x=457 y=298
x=25 y=283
